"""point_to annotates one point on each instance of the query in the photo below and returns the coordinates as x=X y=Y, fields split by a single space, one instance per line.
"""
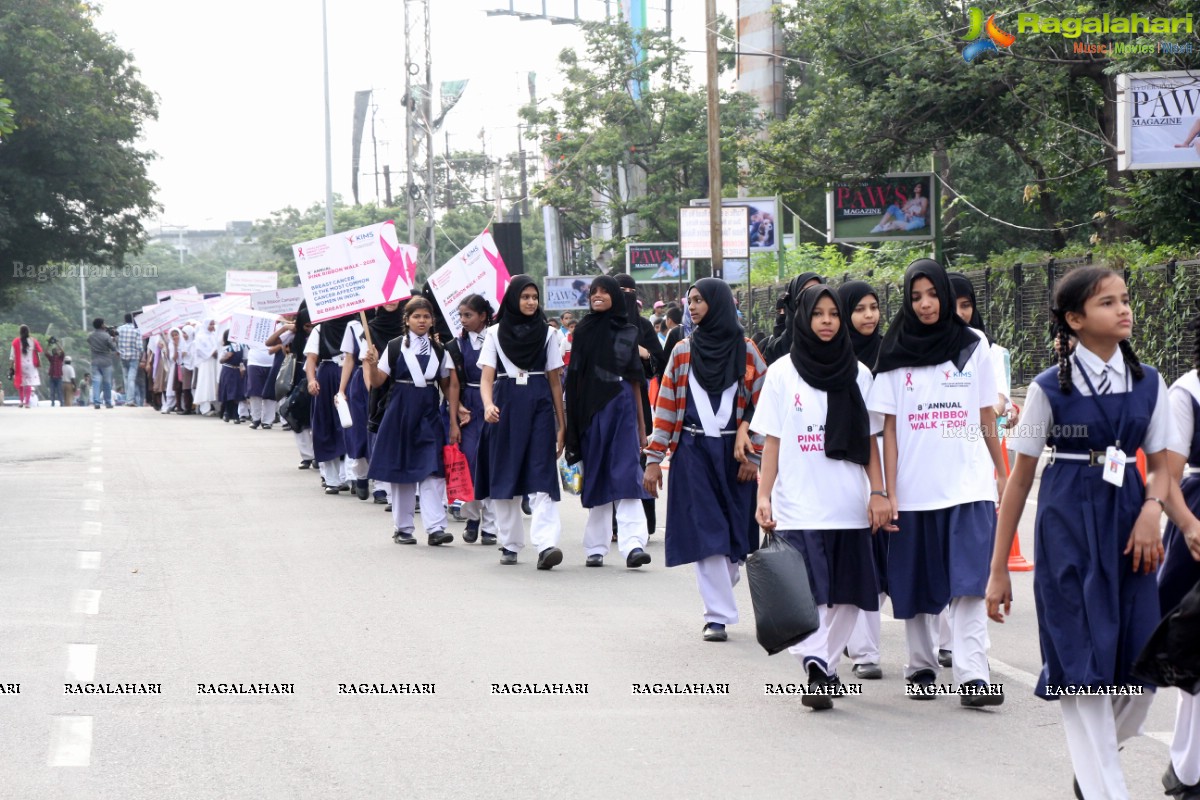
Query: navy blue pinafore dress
x=356 y=399
x=1094 y=613
x=469 y=398
x=1179 y=571
x=517 y=454
x=408 y=448
x=612 y=468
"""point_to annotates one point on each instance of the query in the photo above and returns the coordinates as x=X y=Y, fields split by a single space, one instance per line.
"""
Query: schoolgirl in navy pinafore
x=1094 y=612
x=1179 y=571
x=329 y=443
x=356 y=393
x=466 y=360
x=409 y=445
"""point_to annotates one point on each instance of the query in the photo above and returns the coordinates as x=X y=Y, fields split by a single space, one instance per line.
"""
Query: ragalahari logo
x=994 y=37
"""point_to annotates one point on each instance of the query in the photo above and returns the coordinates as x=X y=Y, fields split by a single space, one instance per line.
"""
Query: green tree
x=7 y=118
x=73 y=183
x=599 y=128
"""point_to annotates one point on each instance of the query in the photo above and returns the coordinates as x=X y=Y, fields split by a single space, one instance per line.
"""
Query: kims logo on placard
x=994 y=37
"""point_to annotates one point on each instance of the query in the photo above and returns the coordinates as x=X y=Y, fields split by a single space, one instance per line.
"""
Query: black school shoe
x=594 y=560
x=550 y=557
x=922 y=682
x=333 y=489
x=507 y=557
x=1175 y=787
x=978 y=695
x=400 y=537
x=440 y=537
x=637 y=558
x=715 y=632
x=380 y=499
x=487 y=539
x=306 y=464
x=822 y=686
x=362 y=489
x=946 y=658
x=255 y=425
x=471 y=534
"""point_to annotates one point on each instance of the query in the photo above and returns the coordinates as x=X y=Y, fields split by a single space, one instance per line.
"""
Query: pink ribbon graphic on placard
x=399 y=266
x=908 y=379
x=502 y=276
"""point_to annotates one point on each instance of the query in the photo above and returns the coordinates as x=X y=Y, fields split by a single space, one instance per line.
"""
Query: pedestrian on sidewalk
x=294 y=337
x=206 y=368
x=129 y=349
x=69 y=385
x=103 y=345
x=322 y=368
x=26 y=360
x=230 y=388
x=55 y=359
x=702 y=421
x=352 y=389
x=1097 y=527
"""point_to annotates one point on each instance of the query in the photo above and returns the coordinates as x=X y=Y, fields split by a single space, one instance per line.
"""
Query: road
x=142 y=549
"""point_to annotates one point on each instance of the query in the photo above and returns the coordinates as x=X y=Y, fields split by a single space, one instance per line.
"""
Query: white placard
x=242 y=282
x=478 y=269
x=1158 y=119
x=176 y=293
x=221 y=308
x=252 y=327
x=281 y=301
x=695 y=240
x=356 y=270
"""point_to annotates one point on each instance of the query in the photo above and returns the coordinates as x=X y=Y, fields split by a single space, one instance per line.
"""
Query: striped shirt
x=672 y=399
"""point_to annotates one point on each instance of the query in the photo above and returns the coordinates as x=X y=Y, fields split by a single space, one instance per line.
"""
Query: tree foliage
x=73 y=183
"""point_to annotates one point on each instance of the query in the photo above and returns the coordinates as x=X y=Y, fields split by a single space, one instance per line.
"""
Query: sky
x=240 y=131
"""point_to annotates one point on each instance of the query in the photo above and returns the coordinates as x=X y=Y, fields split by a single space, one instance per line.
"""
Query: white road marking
x=87 y=601
x=1016 y=673
x=95 y=449
x=81 y=663
x=95 y=470
x=89 y=559
x=70 y=742
x=97 y=459
x=94 y=486
x=90 y=529
x=91 y=505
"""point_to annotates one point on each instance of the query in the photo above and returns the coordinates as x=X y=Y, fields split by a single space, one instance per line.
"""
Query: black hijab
x=851 y=294
x=522 y=338
x=603 y=355
x=440 y=326
x=386 y=325
x=332 y=331
x=910 y=343
x=300 y=338
x=832 y=367
x=964 y=288
x=625 y=281
x=781 y=345
x=718 y=342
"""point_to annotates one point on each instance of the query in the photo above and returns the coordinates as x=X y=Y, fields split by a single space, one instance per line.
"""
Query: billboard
x=763 y=233
x=897 y=206
x=1158 y=120
x=566 y=292
x=657 y=262
x=695 y=235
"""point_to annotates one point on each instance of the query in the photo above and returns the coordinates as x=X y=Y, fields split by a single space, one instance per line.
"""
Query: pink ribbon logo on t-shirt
x=908 y=379
x=798 y=406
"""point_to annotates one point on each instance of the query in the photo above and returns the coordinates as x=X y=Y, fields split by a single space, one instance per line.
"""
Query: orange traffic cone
x=1016 y=561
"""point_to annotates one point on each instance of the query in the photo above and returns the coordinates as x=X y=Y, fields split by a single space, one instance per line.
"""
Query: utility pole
x=328 y=131
x=408 y=126
x=714 y=140
x=524 y=172
x=429 y=186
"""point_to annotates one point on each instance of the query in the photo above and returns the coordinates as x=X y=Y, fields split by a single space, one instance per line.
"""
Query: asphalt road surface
x=184 y=552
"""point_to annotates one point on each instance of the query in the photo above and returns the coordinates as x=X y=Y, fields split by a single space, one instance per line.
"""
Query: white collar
x=1096 y=365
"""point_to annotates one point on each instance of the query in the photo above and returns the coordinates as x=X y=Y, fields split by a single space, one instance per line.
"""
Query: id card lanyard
x=1114 y=456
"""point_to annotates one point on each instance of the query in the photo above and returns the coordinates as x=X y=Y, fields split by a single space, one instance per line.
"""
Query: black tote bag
x=785 y=612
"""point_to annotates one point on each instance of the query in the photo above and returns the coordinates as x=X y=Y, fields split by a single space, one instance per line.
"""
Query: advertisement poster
x=695 y=239
x=762 y=221
x=892 y=207
x=1158 y=120
x=657 y=262
x=566 y=292
x=355 y=270
x=478 y=269
x=284 y=302
x=240 y=282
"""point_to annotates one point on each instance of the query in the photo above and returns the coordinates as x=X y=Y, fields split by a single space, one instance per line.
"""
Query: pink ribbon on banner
x=399 y=266
x=502 y=276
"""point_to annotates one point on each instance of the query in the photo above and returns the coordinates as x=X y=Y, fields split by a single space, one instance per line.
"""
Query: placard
x=243 y=282
x=284 y=302
x=252 y=327
x=695 y=240
x=163 y=294
x=221 y=308
x=478 y=269
x=355 y=270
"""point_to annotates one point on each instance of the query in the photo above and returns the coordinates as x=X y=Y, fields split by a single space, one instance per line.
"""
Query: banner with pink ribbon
x=478 y=269
x=355 y=270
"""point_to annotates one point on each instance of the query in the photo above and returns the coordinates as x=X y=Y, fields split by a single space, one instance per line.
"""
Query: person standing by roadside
x=104 y=347
x=129 y=349
x=68 y=382
x=56 y=371
x=25 y=350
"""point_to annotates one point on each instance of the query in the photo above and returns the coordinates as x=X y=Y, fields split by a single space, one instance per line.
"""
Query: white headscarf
x=172 y=349
x=207 y=342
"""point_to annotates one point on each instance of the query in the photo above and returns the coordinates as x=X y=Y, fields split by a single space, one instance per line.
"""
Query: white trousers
x=968 y=623
x=863 y=646
x=356 y=470
x=206 y=407
x=715 y=577
x=304 y=444
x=433 y=504
x=945 y=631
x=333 y=472
x=545 y=526
x=483 y=511
x=1095 y=728
x=1185 y=747
x=243 y=409
x=631 y=528
x=168 y=401
x=827 y=642
x=262 y=410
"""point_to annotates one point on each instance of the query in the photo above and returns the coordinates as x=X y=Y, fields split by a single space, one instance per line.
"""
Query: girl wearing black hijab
x=520 y=383
x=822 y=483
x=935 y=387
x=781 y=344
x=861 y=303
x=702 y=420
x=323 y=367
x=294 y=336
x=605 y=425
x=968 y=309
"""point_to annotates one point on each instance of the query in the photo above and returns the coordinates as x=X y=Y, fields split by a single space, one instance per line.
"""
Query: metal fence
x=1015 y=304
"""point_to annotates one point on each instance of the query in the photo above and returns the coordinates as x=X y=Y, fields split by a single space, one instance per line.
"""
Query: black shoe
x=715 y=632
x=471 y=534
x=440 y=537
x=525 y=509
x=266 y=426
x=255 y=425
x=362 y=489
x=867 y=672
x=550 y=557
x=818 y=695
x=977 y=694
x=922 y=682
x=614 y=536
x=227 y=420
x=400 y=537
x=97 y=406
x=486 y=538
x=417 y=505
x=306 y=464
x=285 y=426
x=637 y=558
x=595 y=560
x=507 y=557
x=380 y=499
x=1175 y=787
x=1078 y=791
x=333 y=489
x=389 y=508
x=946 y=658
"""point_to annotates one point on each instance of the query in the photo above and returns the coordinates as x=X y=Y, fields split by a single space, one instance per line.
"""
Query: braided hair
x=1071 y=293
x=479 y=304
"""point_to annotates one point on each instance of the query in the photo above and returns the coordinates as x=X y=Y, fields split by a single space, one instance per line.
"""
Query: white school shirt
x=812 y=491
x=1180 y=397
x=489 y=357
x=1031 y=432
x=1002 y=365
x=942 y=460
x=414 y=342
x=260 y=356
x=313 y=346
x=354 y=330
